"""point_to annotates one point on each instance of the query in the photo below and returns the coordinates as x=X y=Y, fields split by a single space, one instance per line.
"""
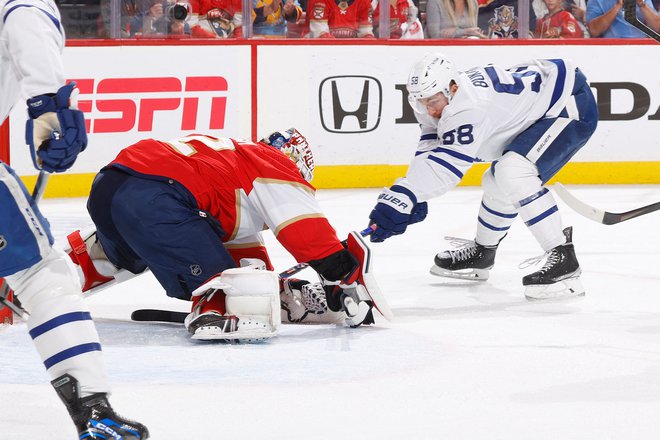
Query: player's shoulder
x=11 y=9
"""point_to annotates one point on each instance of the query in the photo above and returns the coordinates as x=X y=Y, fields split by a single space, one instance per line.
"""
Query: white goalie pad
x=252 y=296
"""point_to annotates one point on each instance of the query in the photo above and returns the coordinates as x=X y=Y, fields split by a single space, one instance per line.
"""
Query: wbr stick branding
x=350 y=103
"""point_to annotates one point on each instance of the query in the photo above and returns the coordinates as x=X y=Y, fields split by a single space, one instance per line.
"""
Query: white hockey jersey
x=490 y=108
x=31 y=41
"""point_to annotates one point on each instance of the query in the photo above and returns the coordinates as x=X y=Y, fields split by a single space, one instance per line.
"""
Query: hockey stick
x=178 y=317
x=630 y=14
x=599 y=215
x=37 y=194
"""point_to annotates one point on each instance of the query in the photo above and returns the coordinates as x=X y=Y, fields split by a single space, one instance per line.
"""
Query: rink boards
x=349 y=100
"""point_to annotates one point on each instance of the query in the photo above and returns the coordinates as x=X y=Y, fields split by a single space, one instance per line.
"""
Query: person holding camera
x=161 y=18
x=559 y=22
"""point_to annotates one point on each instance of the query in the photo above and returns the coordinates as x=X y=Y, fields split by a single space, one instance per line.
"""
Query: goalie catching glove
x=397 y=208
x=303 y=302
x=55 y=129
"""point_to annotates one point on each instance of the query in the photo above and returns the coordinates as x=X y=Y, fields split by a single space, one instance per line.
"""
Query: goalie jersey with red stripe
x=246 y=186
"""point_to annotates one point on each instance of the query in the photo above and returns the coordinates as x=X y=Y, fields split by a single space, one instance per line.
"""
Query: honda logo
x=350 y=104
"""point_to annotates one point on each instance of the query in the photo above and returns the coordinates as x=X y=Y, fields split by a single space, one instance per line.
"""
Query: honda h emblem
x=350 y=103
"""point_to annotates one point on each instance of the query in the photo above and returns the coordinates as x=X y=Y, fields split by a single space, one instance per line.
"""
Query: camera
x=176 y=11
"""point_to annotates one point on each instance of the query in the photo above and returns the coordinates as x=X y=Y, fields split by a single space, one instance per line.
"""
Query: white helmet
x=433 y=74
x=295 y=147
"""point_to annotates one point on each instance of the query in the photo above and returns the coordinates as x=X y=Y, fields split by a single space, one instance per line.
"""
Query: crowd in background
x=408 y=19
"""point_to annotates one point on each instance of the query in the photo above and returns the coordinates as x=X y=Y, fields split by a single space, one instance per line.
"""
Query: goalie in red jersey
x=340 y=19
x=192 y=210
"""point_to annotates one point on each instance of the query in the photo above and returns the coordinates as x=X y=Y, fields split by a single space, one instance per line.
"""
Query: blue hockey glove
x=55 y=129
x=397 y=208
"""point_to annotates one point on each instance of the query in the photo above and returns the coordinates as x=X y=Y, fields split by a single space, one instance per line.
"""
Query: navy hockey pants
x=142 y=222
x=551 y=142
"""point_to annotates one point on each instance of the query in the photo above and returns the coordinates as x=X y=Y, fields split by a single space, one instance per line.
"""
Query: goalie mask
x=295 y=147
x=428 y=77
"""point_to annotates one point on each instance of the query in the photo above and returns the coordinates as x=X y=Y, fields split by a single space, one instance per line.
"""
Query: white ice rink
x=460 y=361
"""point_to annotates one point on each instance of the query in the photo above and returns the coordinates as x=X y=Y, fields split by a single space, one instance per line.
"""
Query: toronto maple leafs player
x=31 y=43
x=529 y=120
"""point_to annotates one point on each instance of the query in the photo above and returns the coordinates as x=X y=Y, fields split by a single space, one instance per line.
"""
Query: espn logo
x=136 y=101
x=350 y=104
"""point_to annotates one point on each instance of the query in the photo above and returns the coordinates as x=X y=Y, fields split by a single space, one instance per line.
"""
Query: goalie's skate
x=560 y=275
x=93 y=416
x=212 y=326
x=471 y=261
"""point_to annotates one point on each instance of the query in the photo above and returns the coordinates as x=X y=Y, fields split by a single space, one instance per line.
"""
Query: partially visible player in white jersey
x=529 y=120
x=31 y=43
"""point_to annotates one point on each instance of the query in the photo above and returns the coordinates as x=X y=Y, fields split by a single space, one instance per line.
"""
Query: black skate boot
x=472 y=261
x=93 y=416
x=559 y=276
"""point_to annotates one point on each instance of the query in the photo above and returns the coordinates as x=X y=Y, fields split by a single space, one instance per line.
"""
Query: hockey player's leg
x=65 y=337
x=472 y=260
x=95 y=270
x=538 y=209
x=251 y=309
x=46 y=285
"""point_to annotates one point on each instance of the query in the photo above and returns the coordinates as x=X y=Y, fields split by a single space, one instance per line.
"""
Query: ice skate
x=93 y=416
x=560 y=275
x=211 y=326
x=471 y=261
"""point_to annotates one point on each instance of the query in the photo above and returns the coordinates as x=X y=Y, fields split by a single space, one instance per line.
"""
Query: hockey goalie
x=192 y=210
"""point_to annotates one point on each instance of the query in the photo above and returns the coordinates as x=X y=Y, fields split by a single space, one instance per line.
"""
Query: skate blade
x=463 y=274
x=568 y=288
x=249 y=331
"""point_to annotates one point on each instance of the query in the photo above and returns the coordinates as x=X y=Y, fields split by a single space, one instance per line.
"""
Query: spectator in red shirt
x=217 y=18
x=558 y=22
x=340 y=19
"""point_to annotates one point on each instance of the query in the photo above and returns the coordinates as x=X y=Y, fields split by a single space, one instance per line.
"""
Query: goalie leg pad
x=251 y=302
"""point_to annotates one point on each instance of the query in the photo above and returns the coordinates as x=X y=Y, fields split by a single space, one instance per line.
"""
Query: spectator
x=217 y=18
x=270 y=17
x=558 y=22
x=340 y=19
x=605 y=19
x=576 y=7
x=404 y=23
x=498 y=19
x=452 y=19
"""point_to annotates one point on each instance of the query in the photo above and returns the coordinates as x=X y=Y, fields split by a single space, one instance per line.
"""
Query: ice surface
x=462 y=360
